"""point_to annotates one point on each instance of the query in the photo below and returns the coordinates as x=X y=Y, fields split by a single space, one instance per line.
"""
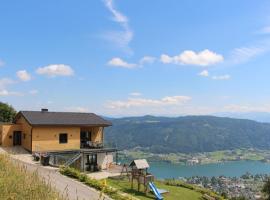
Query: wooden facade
x=46 y=138
x=66 y=137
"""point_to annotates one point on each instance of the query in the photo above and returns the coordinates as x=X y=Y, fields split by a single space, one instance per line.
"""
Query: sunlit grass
x=174 y=192
x=17 y=183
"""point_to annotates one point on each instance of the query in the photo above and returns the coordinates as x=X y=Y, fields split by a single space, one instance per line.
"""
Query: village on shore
x=199 y=158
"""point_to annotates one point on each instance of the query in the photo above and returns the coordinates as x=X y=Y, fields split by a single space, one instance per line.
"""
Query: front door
x=92 y=162
x=17 y=138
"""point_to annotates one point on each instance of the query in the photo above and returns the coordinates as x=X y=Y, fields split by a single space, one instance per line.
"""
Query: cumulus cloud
x=5 y=92
x=120 y=38
x=221 y=77
x=203 y=58
x=23 y=75
x=118 y=62
x=141 y=102
x=55 y=70
x=204 y=73
x=166 y=59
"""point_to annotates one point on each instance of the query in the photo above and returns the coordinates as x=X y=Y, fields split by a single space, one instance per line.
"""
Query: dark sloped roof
x=63 y=118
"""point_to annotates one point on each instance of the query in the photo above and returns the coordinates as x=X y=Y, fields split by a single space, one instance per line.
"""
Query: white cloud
x=2 y=63
x=5 y=82
x=142 y=102
x=33 y=92
x=120 y=38
x=221 y=77
x=23 y=75
x=147 y=60
x=204 y=73
x=118 y=16
x=244 y=54
x=135 y=94
x=55 y=70
x=9 y=93
x=203 y=58
x=118 y=62
x=166 y=59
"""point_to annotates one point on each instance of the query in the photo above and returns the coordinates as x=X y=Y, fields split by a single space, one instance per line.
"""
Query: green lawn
x=174 y=192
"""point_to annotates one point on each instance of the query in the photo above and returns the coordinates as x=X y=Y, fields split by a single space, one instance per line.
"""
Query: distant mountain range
x=257 y=116
x=187 y=134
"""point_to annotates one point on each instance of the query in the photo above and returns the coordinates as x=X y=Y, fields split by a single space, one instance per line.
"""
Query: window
x=63 y=138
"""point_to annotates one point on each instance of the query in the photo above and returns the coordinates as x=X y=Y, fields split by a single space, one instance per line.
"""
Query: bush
x=98 y=185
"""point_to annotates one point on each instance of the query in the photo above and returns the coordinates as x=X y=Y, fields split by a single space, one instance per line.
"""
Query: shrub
x=98 y=185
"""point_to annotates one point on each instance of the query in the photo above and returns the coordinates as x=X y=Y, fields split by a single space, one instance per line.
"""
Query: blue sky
x=122 y=58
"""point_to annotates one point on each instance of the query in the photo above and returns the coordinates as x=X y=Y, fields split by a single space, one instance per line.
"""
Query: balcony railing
x=91 y=145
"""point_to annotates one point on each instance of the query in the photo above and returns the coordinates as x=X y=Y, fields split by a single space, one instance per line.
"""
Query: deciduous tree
x=7 y=112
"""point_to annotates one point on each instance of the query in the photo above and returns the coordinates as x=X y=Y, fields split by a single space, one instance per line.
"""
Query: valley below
x=228 y=156
x=199 y=158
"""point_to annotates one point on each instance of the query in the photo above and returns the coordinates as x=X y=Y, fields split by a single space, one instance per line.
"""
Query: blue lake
x=237 y=168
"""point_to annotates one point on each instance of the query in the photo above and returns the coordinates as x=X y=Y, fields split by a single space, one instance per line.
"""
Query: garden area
x=119 y=188
x=174 y=192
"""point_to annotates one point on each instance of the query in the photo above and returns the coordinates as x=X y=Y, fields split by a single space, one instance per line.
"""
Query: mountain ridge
x=187 y=134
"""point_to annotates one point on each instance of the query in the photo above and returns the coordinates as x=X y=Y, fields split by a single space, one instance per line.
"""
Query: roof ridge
x=63 y=118
x=57 y=112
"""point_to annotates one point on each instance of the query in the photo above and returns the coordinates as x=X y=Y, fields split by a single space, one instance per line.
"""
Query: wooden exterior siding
x=7 y=133
x=46 y=138
x=26 y=129
x=96 y=133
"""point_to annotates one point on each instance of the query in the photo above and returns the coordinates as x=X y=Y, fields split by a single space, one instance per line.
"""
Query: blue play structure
x=155 y=191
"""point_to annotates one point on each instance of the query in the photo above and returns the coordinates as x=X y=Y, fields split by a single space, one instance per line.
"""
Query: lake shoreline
x=163 y=170
x=200 y=158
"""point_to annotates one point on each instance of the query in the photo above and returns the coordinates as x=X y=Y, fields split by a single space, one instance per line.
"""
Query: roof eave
x=77 y=125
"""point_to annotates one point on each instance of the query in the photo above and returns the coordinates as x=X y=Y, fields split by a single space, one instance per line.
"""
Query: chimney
x=44 y=110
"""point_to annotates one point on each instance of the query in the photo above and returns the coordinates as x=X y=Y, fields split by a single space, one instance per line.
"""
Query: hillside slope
x=187 y=134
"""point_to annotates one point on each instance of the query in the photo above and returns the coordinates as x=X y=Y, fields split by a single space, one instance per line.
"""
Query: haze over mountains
x=257 y=116
x=188 y=134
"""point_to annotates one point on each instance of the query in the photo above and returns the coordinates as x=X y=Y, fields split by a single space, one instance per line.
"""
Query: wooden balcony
x=91 y=145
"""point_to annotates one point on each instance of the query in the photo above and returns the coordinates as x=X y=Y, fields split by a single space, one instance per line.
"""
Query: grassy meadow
x=174 y=192
x=119 y=188
x=17 y=183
